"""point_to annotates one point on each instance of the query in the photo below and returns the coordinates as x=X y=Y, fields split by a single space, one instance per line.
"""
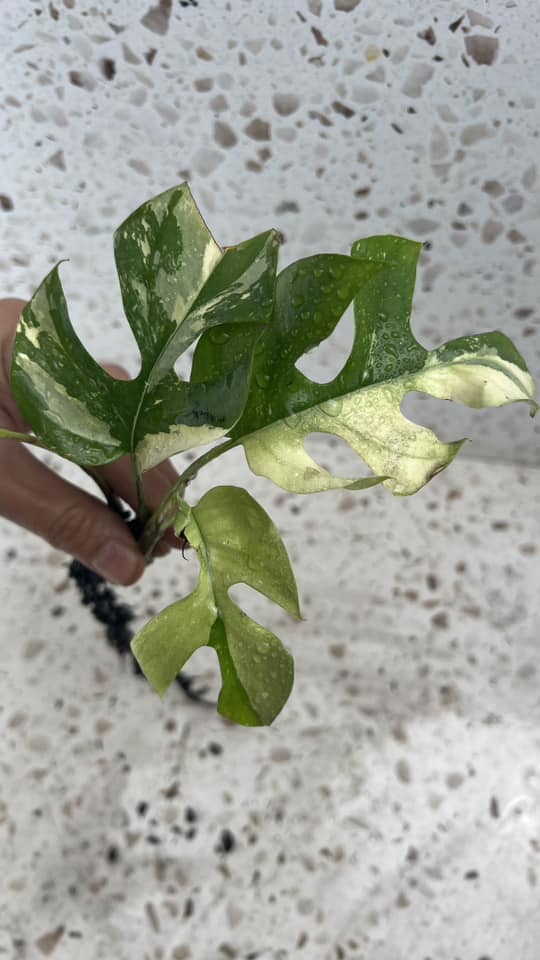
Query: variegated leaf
x=176 y=283
x=362 y=403
x=236 y=542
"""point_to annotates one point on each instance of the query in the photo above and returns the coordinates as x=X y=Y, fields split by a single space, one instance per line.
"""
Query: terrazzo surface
x=392 y=812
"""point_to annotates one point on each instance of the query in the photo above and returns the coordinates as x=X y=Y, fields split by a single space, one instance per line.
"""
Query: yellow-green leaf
x=236 y=542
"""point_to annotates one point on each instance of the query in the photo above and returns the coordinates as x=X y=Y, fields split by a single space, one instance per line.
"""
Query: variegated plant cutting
x=252 y=326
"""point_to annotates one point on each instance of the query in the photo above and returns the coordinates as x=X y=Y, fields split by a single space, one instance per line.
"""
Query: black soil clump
x=101 y=599
x=104 y=605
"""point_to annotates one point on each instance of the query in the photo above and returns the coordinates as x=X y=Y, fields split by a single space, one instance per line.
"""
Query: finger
x=115 y=370
x=10 y=314
x=156 y=482
x=34 y=497
x=162 y=549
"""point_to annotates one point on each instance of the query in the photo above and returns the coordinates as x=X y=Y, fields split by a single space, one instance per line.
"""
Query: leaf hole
x=203 y=670
x=184 y=363
x=108 y=340
x=335 y=455
x=326 y=360
x=257 y=606
x=453 y=421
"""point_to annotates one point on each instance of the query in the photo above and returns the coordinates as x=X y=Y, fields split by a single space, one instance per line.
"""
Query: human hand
x=38 y=499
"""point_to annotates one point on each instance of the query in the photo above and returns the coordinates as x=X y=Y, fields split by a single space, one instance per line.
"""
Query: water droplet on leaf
x=293 y=421
x=332 y=408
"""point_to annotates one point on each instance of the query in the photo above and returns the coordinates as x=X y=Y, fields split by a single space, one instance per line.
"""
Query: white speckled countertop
x=392 y=812
x=393 y=809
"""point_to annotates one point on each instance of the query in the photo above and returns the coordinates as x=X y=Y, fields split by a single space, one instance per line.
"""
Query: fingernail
x=118 y=562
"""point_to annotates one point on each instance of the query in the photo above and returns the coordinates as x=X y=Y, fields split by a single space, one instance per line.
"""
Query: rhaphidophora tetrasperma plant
x=252 y=326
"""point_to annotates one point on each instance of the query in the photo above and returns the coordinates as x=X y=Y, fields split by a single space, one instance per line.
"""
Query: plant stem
x=163 y=517
x=143 y=512
x=157 y=523
x=112 y=500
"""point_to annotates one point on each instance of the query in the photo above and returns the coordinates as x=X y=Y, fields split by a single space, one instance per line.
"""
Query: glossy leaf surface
x=176 y=283
x=362 y=404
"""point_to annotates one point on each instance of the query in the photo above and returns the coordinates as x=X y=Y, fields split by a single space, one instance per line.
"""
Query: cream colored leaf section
x=370 y=421
x=66 y=411
x=485 y=380
x=278 y=452
x=156 y=447
x=403 y=455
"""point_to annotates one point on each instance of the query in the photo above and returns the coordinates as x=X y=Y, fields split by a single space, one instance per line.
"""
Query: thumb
x=66 y=517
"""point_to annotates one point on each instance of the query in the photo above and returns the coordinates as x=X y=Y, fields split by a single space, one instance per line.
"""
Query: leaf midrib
x=219 y=608
x=147 y=374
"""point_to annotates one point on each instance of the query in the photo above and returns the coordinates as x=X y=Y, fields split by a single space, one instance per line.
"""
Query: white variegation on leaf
x=403 y=455
x=154 y=448
x=252 y=328
x=478 y=378
x=176 y=283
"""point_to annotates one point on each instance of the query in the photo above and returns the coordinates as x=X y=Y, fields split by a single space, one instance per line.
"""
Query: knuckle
x=73 y=526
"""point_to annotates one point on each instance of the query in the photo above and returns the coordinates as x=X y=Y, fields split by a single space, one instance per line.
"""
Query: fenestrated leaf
x=63 y=394
x=362 y=403
x=236 y=543
x=176 y=283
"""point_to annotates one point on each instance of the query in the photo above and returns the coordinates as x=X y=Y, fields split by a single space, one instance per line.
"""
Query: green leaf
x=176 y=283
x=236 y=543
x=362 y=403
